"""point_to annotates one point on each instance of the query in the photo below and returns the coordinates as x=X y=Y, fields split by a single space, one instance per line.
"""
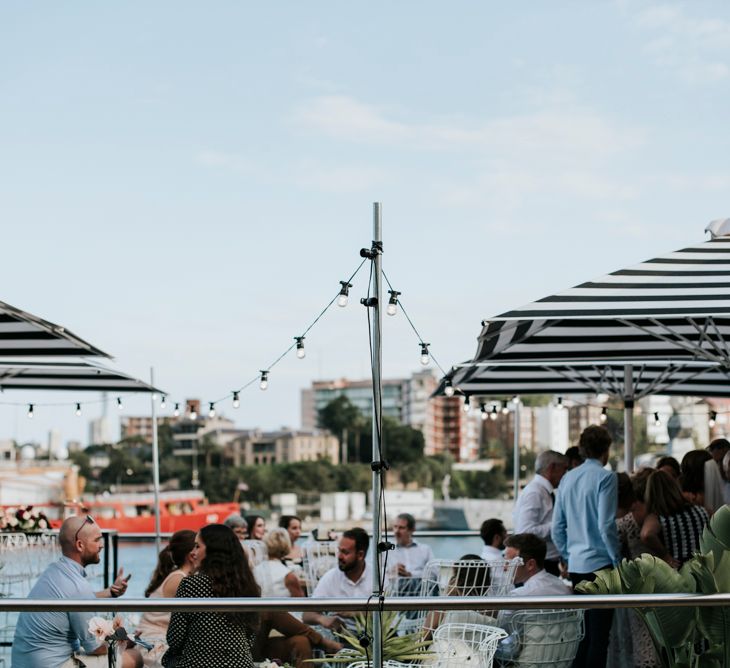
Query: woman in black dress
x=205 y=639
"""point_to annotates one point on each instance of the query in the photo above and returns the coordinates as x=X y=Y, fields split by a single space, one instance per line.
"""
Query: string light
x=505 y=408
x=515 y=399
x=425 y=357
x=604 y=415
x=78 y=410
x=264 y=380
x=236 y=400
x=162 y=403
x=300 y=347
x=657 y=421
x=344 y=292
x=713 y=419
x=483 y=408
x=211 y=410
x=448 y=388
x=176 y=412
x=467 y=404
x=493 y=414
x=30 y=411
x=392 y=302
x=193 y=412
x=119 y=403
x=560 y=403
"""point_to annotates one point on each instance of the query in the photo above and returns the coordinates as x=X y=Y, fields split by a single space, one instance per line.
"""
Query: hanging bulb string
x=413 y=327
x=54 y=404
x=293 y=345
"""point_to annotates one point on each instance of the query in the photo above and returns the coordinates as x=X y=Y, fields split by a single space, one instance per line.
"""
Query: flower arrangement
x=24 y=518
x=113 y=633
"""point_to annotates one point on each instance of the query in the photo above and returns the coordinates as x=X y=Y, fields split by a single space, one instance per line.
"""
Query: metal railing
x=441 y=603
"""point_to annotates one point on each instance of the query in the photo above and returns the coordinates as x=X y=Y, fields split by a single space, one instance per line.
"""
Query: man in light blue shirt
x=584 y=531
x=51 y=639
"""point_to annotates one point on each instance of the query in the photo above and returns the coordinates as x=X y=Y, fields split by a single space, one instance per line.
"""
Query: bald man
x=54 y=639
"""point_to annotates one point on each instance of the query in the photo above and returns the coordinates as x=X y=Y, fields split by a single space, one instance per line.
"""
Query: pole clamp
x=380 y=465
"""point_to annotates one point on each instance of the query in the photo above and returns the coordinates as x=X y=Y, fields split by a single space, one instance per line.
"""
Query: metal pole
x=629 y=418
x=377 y=424
x=516 y=449
x=155 y=464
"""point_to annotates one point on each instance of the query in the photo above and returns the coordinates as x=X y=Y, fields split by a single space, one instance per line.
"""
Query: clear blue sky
x=185 y=183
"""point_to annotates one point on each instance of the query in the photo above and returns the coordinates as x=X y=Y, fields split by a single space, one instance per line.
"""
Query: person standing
x=533 y=513
x=584 y=531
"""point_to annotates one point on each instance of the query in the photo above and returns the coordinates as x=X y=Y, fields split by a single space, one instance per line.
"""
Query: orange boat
x=134 y=512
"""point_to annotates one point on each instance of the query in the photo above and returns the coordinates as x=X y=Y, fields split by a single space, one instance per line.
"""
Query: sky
x=184 y=184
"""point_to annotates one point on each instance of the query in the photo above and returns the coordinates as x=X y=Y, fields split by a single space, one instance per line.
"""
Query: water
x=139 y=558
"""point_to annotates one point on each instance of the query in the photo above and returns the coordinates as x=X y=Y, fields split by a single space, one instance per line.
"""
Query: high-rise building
x=100 y=431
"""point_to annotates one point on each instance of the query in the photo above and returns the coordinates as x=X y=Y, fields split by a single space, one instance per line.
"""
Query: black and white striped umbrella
x=23 y=334
x=674 y=307
x=82 y=376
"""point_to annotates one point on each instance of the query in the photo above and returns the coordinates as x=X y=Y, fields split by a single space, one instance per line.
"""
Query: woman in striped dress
x=672 y=527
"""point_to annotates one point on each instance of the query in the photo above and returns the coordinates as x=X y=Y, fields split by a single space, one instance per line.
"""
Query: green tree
x=341 y=417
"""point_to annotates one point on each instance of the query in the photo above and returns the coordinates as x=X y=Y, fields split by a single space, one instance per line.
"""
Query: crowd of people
x=575 y=517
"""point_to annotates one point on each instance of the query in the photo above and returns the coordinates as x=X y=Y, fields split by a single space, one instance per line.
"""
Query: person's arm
x=170 y=587
x=118 y=588
x=79 y=623
x=177 y=630
x=559 y=530
x=607 y=504
x=318 y=618
x=528 y=518
x=293 y=585
x=650 y=536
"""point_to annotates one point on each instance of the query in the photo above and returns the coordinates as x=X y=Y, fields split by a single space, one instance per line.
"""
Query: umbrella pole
x=377 y=425
x=629 y=418
x=155 y=463
x=516 y=449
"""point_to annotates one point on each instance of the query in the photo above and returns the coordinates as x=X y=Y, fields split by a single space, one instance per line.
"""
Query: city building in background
x=283 y=446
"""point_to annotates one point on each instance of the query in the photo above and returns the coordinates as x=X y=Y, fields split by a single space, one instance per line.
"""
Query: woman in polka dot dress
x=214 y=639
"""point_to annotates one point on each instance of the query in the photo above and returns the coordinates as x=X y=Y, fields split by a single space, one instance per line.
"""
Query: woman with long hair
x=256 y=527
x=173 y=564
x=230 y=639
x=672 y=527
x=293 y=526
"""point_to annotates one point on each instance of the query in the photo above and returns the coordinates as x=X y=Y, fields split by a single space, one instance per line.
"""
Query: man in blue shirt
x=52 y=639
x=584 y=531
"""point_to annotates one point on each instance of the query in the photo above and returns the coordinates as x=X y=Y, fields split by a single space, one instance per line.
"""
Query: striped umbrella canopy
x=673 y=307
x=23 y=334
x=67 y=376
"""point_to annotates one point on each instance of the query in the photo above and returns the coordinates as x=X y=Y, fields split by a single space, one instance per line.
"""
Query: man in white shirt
x=533 y=511
x=493 y=534
x=533 y=577
x=409 y=557
x=352 y=578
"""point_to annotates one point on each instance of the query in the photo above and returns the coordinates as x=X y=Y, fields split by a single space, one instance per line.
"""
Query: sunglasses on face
x=89 y=520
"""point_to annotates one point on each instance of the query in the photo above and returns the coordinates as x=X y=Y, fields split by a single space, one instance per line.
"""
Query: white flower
x=35 y=514
x=13 y=521
x=42 y=524
x=101 y=627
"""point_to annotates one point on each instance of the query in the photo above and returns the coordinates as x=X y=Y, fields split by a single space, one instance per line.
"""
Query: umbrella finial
x=719 y=228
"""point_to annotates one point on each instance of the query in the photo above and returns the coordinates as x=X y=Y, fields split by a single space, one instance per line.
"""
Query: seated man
x=55 y=639
x=351 y=579
x=409 y=556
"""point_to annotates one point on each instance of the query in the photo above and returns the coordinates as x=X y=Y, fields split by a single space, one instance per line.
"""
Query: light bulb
x=211 y=410
x=176 y=412
x=264 y=380
x=505 y=408
x=425 y=357
x=236 y=400
x=119 y=403
x=484 y=415
x=448 y=389
x=392 y=309
x=78 y=410
x=515 y=399
x=604 y=416
x=713 y=419
x=162 y=403
x=193 y=413
x=30 y=411
x=657 y=421
x=344 y=291
x=392 y=302
x=493 y=413
x=560 y=403
x=466 y=405
x=300 y=347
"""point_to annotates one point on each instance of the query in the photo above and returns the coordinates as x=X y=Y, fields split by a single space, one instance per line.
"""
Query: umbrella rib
x=659 y=380
x=702 y=331
x=717 y=331
x=619 y=389
x=587 y=380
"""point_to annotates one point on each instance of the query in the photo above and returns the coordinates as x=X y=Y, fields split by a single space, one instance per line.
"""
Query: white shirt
x=542 y=584
x=490 y=553
x=335 y=584
x=533 y=512
x=414 y=557
x=270 y=575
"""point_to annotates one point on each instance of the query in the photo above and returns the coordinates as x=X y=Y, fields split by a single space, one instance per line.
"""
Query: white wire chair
x=540 y=638
x=318 y=557
x=464 y=646
x=448 y=577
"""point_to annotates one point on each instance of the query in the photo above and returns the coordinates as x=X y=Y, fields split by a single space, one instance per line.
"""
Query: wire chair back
x=465 y=645
x=318 y=557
